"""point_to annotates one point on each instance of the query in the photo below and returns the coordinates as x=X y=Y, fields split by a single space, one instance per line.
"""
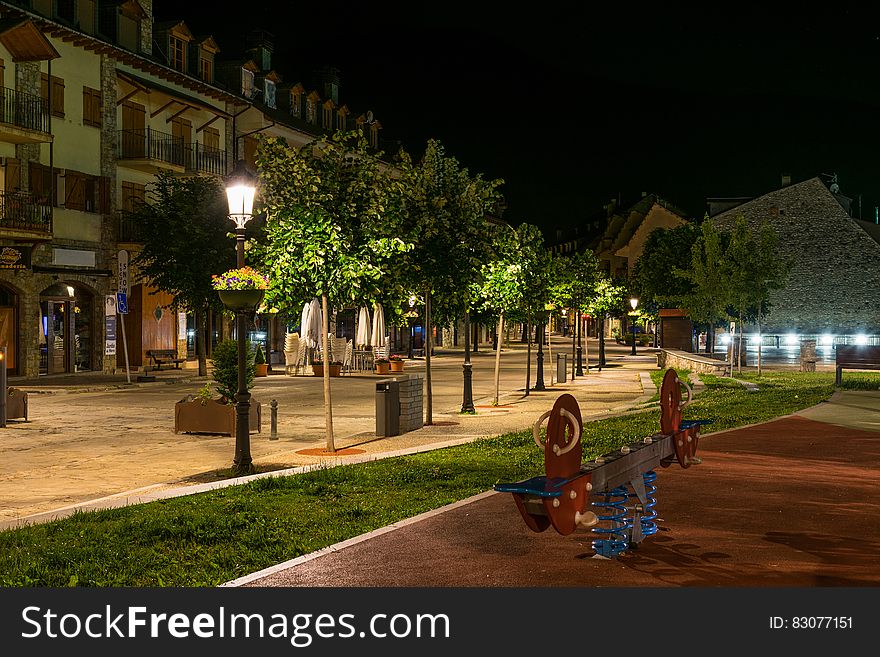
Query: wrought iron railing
x=129 y=229
x=24 y=110
x=146 y=143
x=205 y=159
x=21 y=211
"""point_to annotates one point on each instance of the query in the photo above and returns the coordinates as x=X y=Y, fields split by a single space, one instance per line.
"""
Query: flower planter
x=193 y=416
x=16 y=403
x=383 y=368
x=241 y=299
x=318 y=370
x=396 y=365
x=261 y=369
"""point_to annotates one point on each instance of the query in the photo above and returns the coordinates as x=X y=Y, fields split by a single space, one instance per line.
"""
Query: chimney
x=147 y=27
x=786 y=179
x=260 y=45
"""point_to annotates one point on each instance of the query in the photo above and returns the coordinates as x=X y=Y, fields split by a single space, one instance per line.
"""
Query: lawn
x=211 y=538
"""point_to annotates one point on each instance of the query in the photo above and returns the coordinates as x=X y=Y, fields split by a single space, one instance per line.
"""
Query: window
x=66 y=10
x=57 y=93
x=132 y=195
x=91 y=107
x=269 y=91
x=41 y=183
x=328 y=118
x=177 y=53
x=311 y=114
x=86 y=193
x=247 y=83
x=206 y=68
x=295 y=107
x=211 y=138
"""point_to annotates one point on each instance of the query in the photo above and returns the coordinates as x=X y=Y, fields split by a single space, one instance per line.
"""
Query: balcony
x=22 y=216
x=204 y=159
x=129 y=230
x=149 y=150
x=24 y=119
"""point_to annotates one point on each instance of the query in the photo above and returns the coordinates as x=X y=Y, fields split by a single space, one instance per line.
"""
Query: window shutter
x=104 y=195
x=35 y=172
x=13 y=174
x=74 y=197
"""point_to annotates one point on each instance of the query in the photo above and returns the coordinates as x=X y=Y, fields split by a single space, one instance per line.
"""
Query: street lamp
x=241 y=187
x=411 y=315
x=467 y=402
x=580 y=362
x=634 y=302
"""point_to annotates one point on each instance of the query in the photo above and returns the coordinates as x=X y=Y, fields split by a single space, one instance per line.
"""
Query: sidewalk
x=112 y=443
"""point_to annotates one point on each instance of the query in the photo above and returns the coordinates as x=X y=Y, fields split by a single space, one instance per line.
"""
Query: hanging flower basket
x=241 y=289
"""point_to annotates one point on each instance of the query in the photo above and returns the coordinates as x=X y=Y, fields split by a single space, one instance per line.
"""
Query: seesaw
x=562 y=496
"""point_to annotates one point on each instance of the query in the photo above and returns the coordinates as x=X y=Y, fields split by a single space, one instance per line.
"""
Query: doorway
x=66 y=329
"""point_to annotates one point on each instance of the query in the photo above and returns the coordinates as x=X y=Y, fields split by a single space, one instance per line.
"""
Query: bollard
x=3 y=392
x=273 y=433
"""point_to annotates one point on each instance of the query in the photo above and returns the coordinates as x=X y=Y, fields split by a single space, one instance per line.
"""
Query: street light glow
x=827 y=339
x=634 y=302
x=861 y=339
x=791 y=339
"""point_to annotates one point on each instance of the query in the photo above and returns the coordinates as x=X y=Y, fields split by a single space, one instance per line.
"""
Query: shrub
x=225 y=362
x=259 y=357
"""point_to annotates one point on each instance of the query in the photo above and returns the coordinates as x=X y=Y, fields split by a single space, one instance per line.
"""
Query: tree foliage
x=654 y=275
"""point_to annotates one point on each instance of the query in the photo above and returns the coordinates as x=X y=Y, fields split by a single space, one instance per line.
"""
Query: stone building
x=833 y=290
x=97 y=97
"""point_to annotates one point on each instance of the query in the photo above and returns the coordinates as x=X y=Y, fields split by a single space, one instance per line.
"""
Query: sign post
x=122 y=304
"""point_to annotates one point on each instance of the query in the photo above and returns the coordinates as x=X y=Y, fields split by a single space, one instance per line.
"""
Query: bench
x=162 y=357
x=855 y=357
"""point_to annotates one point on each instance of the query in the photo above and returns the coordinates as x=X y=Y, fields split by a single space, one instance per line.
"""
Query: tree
x=609 y=300
x=329 y=228
x=708 y=274
x=654 y=273
x=575 y=278
x=443 y=217
x=185 y=240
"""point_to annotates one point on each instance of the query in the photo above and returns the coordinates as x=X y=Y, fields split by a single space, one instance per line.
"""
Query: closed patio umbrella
x=362 y=335
x=378 y=337
x=314 y=326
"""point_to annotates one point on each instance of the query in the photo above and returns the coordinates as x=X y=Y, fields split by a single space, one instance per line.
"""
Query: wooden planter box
x=192 y=416
x=397 y=365
x=16 y=404
x=383 y=368
x=318 y=370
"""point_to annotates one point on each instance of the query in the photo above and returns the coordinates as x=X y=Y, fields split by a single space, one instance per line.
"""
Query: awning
x=146 y=85
x=25 y=41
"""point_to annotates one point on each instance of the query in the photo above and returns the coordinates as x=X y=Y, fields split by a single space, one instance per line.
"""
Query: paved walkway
x=792 y=502
x=94 y=442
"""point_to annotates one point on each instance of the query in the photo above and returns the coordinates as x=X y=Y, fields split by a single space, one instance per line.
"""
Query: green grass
x=210 y=538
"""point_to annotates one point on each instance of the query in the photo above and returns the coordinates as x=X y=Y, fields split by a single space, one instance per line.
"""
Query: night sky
x=573 y=104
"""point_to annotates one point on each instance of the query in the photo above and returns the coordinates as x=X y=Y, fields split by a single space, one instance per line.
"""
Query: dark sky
x=573 y=104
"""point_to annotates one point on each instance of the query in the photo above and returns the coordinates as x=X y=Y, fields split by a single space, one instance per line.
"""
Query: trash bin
x=388 y=408
x=561 y=368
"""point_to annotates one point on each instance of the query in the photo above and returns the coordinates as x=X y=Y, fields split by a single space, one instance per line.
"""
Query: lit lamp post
x=411 y=316
x=467 y=403
x=634 y=302
x=580 y=363
x=241 y=186
x=539 y=376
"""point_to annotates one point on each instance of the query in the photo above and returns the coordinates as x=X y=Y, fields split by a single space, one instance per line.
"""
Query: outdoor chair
x=294 y=353
x=347 y=359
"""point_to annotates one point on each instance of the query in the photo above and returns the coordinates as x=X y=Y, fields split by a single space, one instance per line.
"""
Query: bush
x=259 y=357
x=225 y=362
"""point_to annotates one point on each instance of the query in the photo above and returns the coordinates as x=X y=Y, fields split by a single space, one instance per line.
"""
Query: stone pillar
x=808 y=355
x=411 y=402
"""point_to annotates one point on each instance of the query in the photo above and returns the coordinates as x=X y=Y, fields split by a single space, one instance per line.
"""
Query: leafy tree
x=185 y=240
x=443 y=217
x=609 y=300
x=575 y=278
x=708 y=274
x=654 y=274
x=328 y=230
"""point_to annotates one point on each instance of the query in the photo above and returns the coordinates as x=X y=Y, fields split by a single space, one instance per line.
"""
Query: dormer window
x=247 y=83
x=206 y=68
x=269 y=93
x=295 y=104
x=328 y=118
x=311 y=111
x=66 y=10
x=177 y=53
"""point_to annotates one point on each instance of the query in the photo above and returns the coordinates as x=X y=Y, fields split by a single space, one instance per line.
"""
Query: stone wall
x=684 y=360
x=411 y=402
x=834 y=283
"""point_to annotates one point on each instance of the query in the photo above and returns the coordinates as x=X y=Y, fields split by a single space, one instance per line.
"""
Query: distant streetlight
x=241 y=187
x=634 y=302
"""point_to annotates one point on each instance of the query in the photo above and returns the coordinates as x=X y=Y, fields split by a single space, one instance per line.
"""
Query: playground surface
x=787 y=503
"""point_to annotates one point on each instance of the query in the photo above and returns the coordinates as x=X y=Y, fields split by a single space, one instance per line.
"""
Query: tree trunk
x=760 y=340
x=429 y=410
x=498 y=357
x=710 y=339
x=328 y=407
x=528 y=352
x=476 y=340
x=200 y=342
x=525 y=329
x=600 y=324
x=739 y=349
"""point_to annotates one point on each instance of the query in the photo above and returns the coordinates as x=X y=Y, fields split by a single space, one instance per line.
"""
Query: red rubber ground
x=792 y=502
